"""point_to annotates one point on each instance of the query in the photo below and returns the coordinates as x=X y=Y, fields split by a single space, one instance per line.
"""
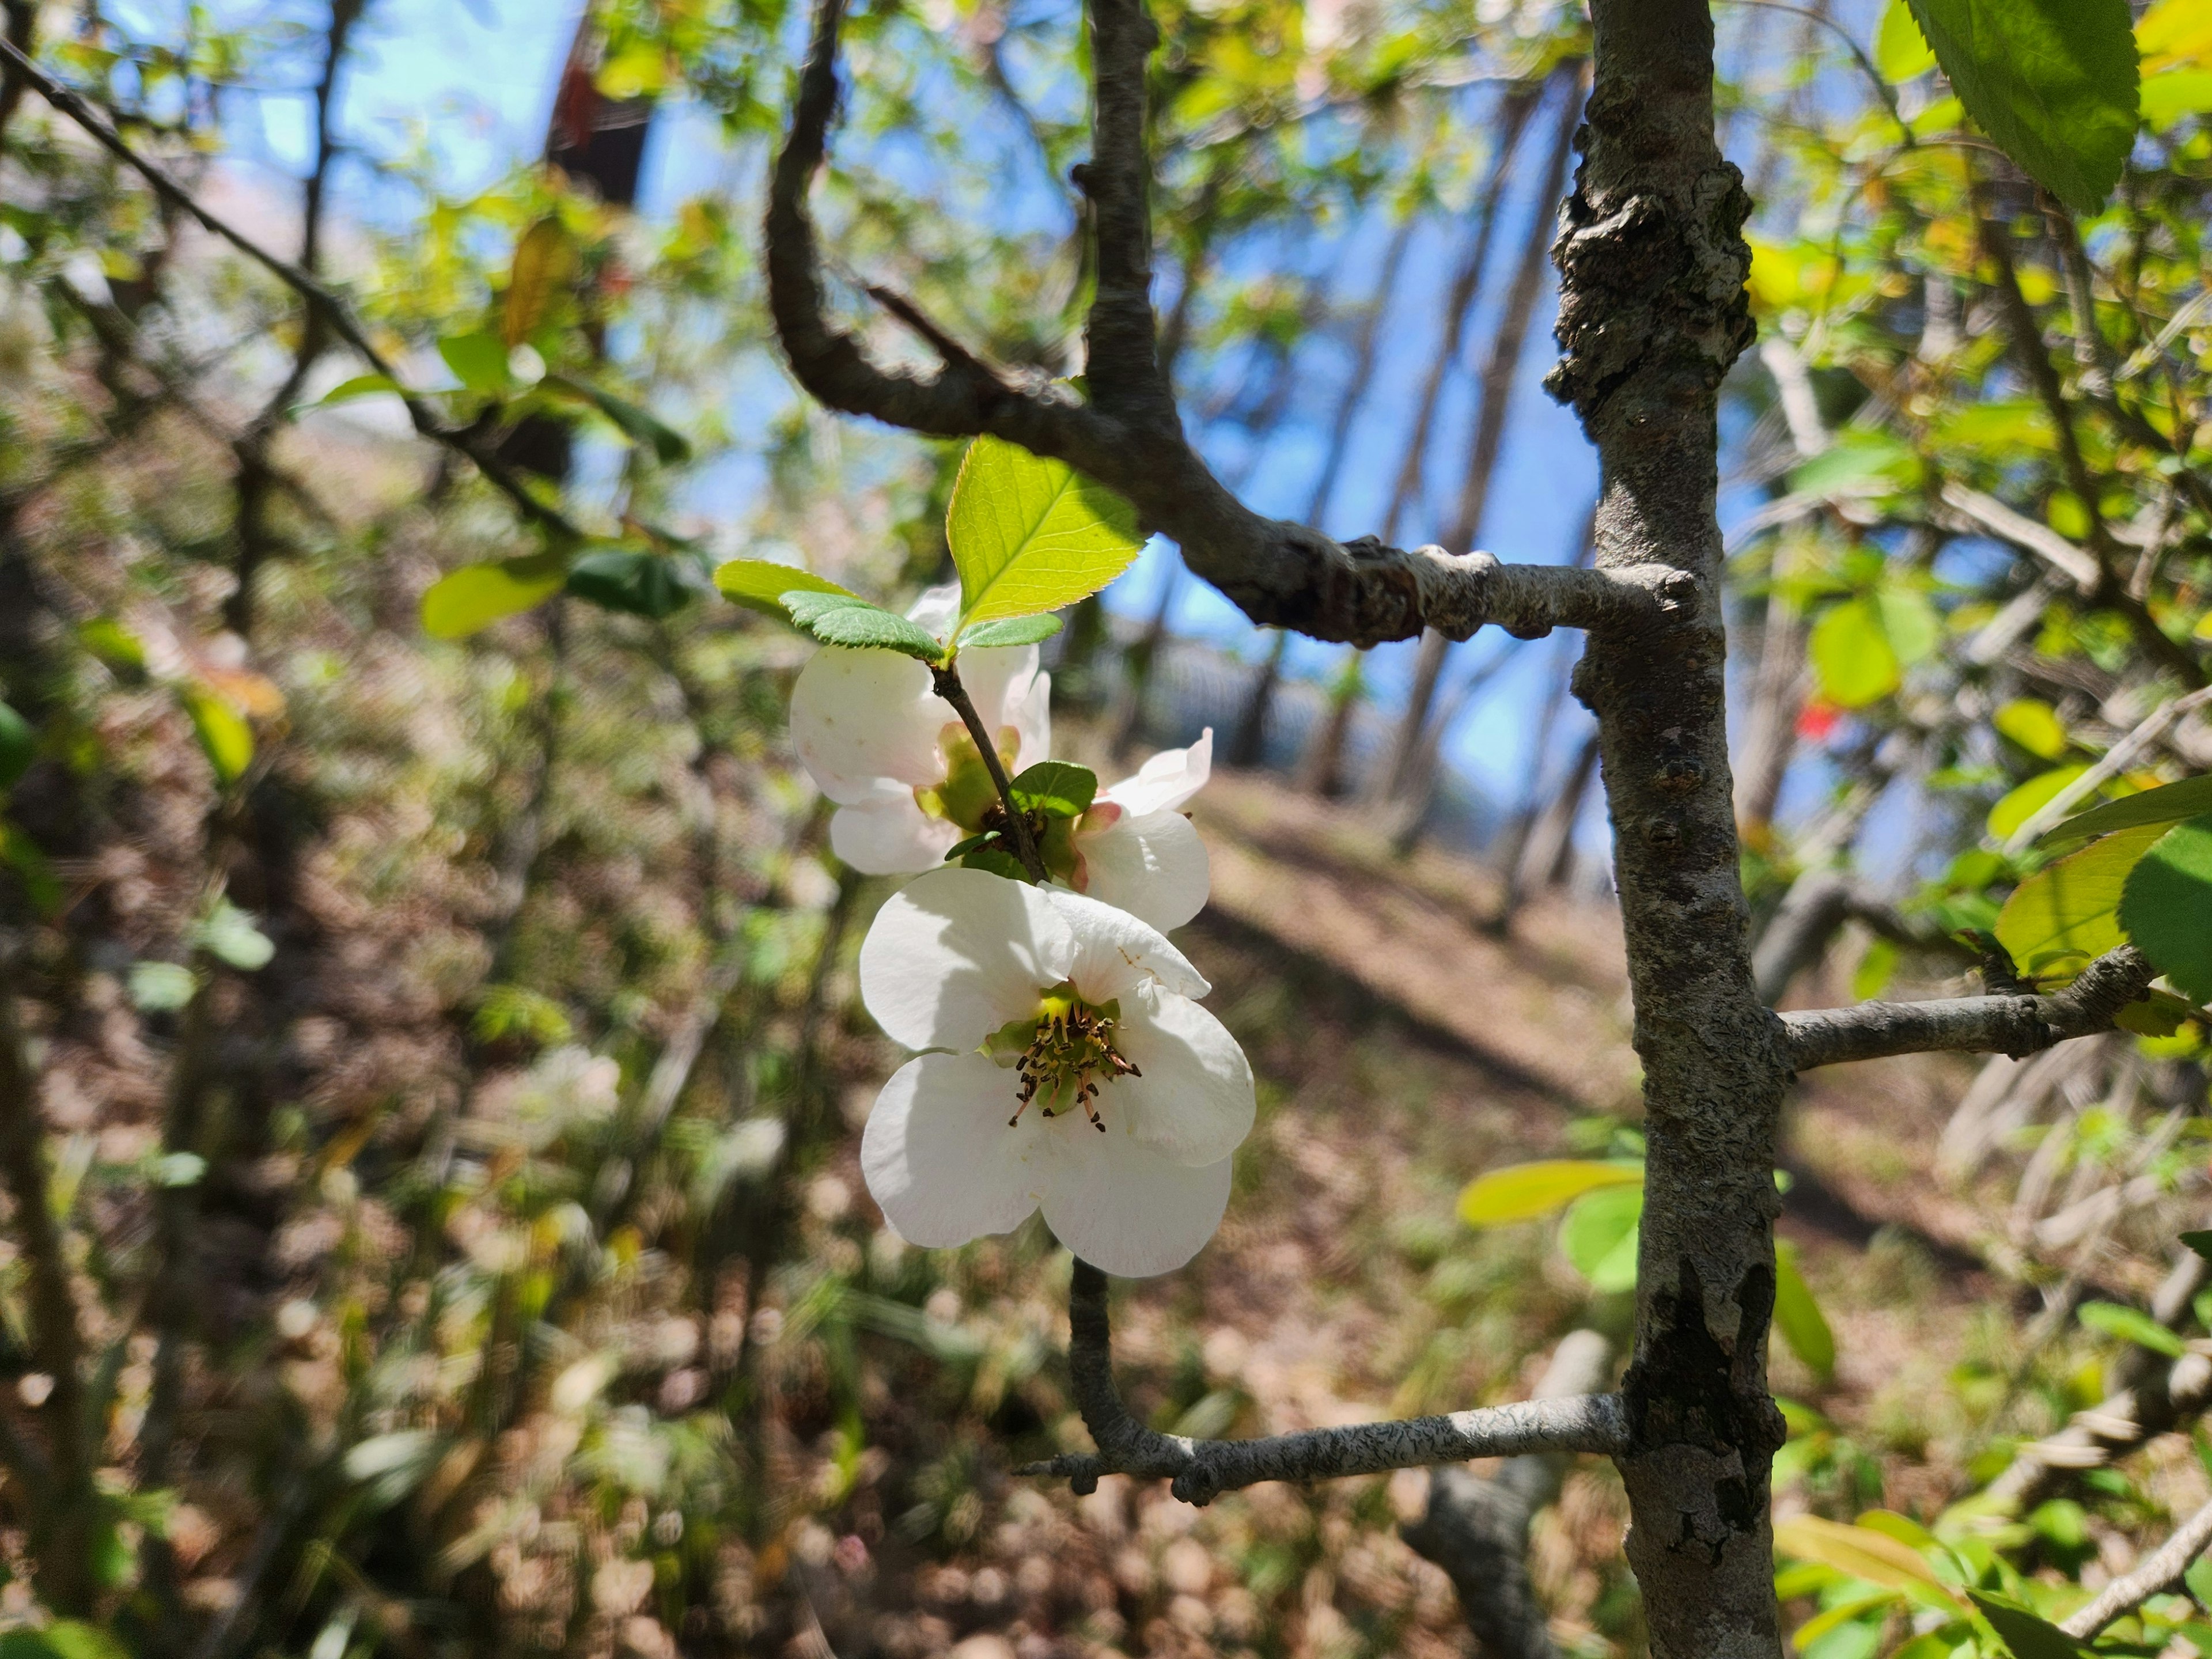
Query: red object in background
x=1816 y=720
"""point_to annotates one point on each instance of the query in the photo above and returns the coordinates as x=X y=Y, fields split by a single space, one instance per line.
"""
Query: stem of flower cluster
x=947 y=680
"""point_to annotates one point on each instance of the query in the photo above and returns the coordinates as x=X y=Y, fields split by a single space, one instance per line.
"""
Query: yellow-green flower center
x=1061 y=1054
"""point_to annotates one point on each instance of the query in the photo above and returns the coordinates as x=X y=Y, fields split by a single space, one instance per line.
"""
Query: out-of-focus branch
x=2161 y=1573
x=1819 y=902
x=1477 y=1529
x=1129 y=436
x=2113 y=762
x=1200 y=1470
x=2013 y=1025
x=1986 y=515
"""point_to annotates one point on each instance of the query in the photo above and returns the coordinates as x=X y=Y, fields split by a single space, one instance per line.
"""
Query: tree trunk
x=1652 y=312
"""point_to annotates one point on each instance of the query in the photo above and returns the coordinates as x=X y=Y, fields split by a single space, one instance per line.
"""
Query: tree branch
x=1129 y=436
x=1200 y=1470
x=2014 y=1025
x=2161 y=1573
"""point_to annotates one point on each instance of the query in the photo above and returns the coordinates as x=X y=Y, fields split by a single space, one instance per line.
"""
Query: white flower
x=1135 y=851
x=1074 y=1074
x=905 y=774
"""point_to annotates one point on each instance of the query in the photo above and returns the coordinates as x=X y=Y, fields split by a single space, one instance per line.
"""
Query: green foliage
x=478 y=362
x=760 y=584
x=2025 y=1633
x=1598 y=1235
x=1013 y=630
x=2131 y=1325
x=666 y=445
x=2067 y=914
x=1523 y=1192
x=639 y=583
x=19 y=746
x=2169 y=803
x=1030 y=535
x=470 y=599
x=225 y=738
x=1797 y=1316
x=61 y=1638
x=230 y=935
x=2166 y=906
x=1860 y=647
x=843 y=619
x=1059 y=789
x=2052 y=81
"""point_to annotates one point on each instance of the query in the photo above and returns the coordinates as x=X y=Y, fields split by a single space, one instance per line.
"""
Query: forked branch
x=2014 y=1025
x=1129 y=436
x=2162 y=1571
x=1200 y=1470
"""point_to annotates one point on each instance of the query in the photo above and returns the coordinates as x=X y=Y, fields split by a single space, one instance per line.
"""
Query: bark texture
x=1652 y=312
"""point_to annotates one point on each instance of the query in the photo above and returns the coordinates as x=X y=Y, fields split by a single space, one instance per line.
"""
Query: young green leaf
x=2020 y=805
x=1013 y=630
x=230 y=935
x=760 y=584
x=1856 y=1551
x=465 y=601
x=2131 y=1325
x=841 y=619
x=361 y=385
x=543 y=256
x=1598 y=1236
x=1522 y=1192
x=160 y=988
x=2166 y=907
x=225 y=738
x=669 y=447
x=641 y=583
x=961 y=849
x=1852 y=657
x=478 y=362
x=2168 y=804
x=1029 y=534
x=2052 y=81
x=1798 y=1317
x=1059 y=789
x=2033 y=724
x=2068 y=913
x=19 y=746
x=1900 y=52
x=2026 y=1635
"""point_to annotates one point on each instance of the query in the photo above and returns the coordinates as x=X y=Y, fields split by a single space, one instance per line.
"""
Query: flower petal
x=1153 y=867
x=859 y=717
x=1115 y=951
x=1194 y=1101
x=955 y=954
x=1126 y=1210
x=887 y=834
x=935 y=610
x=1007 y=690
x=1167 y=780
x=937 y=1156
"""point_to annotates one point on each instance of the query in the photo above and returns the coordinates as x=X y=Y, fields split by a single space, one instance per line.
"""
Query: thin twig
x=2161 y=1573
x=2109 y=765
x=947 y=679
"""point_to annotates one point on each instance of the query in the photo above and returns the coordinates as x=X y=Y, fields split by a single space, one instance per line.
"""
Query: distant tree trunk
x=1498 y=374
x=1321 y=769
x=1249 y=747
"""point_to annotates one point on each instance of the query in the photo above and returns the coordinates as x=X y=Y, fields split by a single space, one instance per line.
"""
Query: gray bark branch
x=2161 y=1573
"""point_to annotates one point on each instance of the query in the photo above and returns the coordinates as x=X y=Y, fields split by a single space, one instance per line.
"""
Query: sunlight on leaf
x=2166 y=907
x=1029 y=534
x=1522 y=1192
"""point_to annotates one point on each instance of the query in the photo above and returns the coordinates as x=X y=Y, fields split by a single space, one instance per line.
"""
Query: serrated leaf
x=638 y=583
x=2166 y=907
x=478 y=361
x=1522 y=1192
x=760 y=584
x=2053 y=82
x=1856 y=1551
x=1012 y=630
x=544 y=255
x=1901 y=51
x=1060 y=789
x=19 y=746
x=1030 y=535
x=669 y=447
x=2023 y=803
x=1851 y=655
x=2026 y=1635
x=1598 y=1236
x=2168 y=804
x=2067 y=914
x=1798 y=1317
x=225 y=738
x=841 y=619
x=361 y=385
x=2130 y=1325
x=468 y=600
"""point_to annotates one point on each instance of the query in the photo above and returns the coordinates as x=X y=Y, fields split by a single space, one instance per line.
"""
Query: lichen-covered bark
x=1652 y=312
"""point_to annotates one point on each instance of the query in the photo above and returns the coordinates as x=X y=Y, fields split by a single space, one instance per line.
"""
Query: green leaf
x=228 y=935
x=998 y=863
x=760 y=584
x=669 y=447
x=2170 y=803
x=961 y=849
x=114 y=645
x=2033 y=724
x=1522 y=1192
x=361 y=385
x=2167 y=98
x=1872 y=976
x=1014 y=631
x=1852 y=657
x=2026 y=1635
x=641 y=583
x=2200 y=1241
x=1029 y=535
x=2166 y=907
x=2131 y=1325
x=1909 y=622
x=1860 y=462
x=478 y=362
x=19 y=746
x=1900 y=52
x=2068 y=913
x=841 y=619
x=161 y=988
x=1059 y=789
x=1798 y=1316
x=2020 y=805
x=1598 y=1236
x=62 y=1639
x=1856 y=1551
x=468 y=600
x=225 y=738
x=544 y=254
x=2052 y=81
x=1806 y=1634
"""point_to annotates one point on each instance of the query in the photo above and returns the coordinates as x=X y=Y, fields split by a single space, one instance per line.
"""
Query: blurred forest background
x=430 y=1073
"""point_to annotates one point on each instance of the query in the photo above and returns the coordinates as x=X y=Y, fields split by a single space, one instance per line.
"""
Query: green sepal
x=1059 y=789
x=842 y=619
